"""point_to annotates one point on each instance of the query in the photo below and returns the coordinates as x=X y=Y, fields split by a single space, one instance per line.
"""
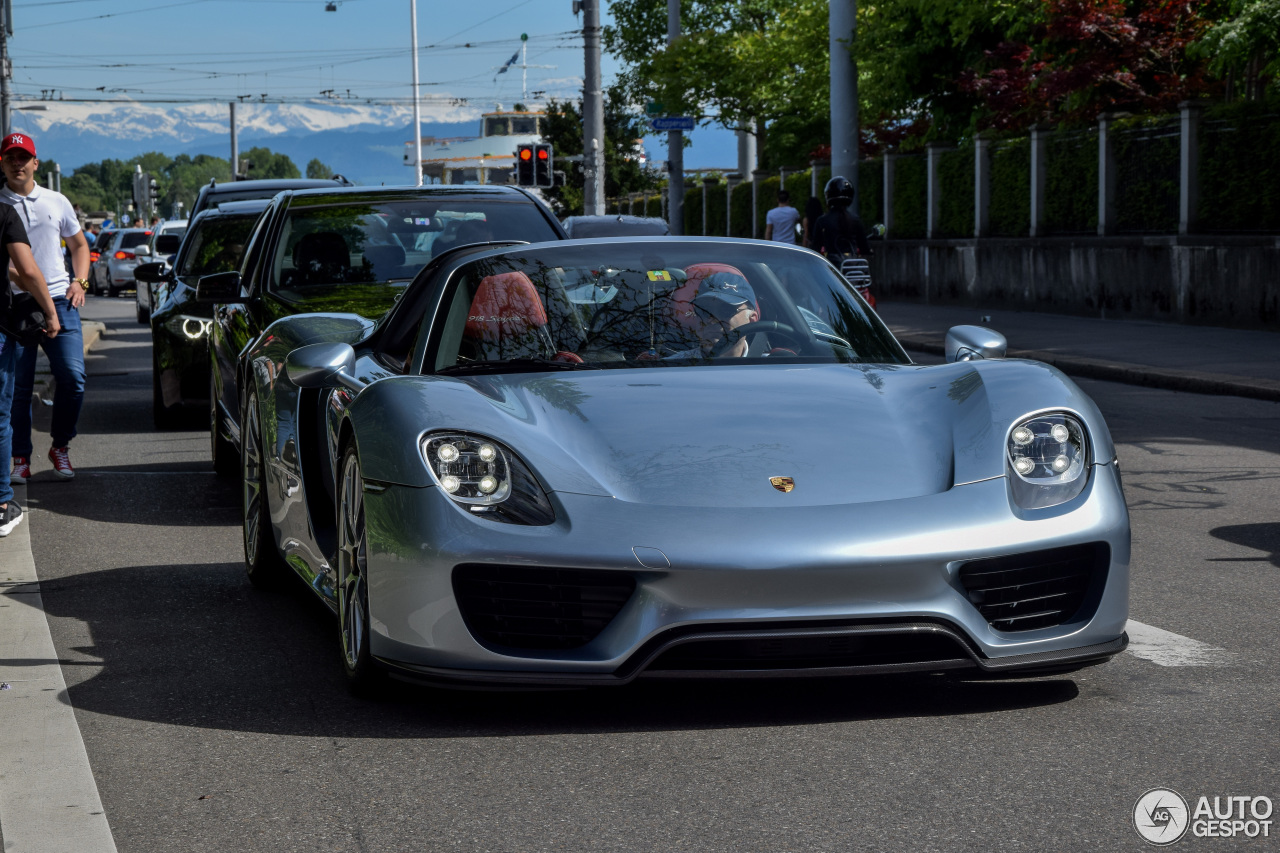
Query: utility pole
x=417 y=108
x=675 y=142
x=6 y=67
x=235 y=145
x=842 y=23
x=592 y=113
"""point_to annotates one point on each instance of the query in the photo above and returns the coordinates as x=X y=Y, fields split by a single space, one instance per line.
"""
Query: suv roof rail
x=342 y=179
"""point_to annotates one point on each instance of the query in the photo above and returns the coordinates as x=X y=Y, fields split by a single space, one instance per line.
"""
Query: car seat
x=321 y=258
x=506 y=320
x=384 y=261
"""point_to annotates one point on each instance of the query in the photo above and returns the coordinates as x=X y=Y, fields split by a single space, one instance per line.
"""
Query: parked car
x=352 y=250
x=214 y=243
x=162 y=251
x=113 y=271
x=615 y=225
x=584 y=462
x=214 y=193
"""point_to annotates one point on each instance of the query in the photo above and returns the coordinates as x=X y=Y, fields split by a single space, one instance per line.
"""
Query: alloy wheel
x=353 y=599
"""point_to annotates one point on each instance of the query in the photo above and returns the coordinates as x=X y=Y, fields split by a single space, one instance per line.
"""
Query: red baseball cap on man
x=18 y=140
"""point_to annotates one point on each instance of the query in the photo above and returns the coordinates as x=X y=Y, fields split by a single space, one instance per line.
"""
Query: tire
x=226 y=462
x=263 y=564
x=144 y=314
x=161 y=415
x=364 y=677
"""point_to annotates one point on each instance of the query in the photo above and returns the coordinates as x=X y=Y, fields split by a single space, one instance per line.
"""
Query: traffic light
x=524 y=166
x=542 y=173
x=153 y=193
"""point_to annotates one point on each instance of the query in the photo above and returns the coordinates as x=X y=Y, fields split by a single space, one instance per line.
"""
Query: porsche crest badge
x=783 y=484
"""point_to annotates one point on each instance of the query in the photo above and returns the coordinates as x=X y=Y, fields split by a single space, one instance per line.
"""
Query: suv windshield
x=322 y=248
x=653 y=304
x=216 y=245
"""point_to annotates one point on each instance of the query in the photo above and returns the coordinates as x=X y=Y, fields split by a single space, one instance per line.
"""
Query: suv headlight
x=486 y=478
x=1049 y=458
x=192 y=328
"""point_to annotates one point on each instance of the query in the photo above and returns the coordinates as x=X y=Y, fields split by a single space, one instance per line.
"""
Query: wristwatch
x=84 y=283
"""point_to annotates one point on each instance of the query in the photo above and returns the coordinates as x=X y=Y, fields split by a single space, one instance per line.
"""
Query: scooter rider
x=839 y=233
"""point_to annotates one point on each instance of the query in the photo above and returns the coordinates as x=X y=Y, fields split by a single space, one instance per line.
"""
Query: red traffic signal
x=525 y=154
x=542 y=153
x=524 y=166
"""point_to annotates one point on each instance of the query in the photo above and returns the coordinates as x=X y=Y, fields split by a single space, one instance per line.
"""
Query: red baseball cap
x=18 y=140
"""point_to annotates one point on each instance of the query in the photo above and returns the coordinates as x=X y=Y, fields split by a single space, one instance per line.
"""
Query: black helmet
x=839 y=192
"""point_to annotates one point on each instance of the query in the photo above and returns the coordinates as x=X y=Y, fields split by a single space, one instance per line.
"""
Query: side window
x=253 y=255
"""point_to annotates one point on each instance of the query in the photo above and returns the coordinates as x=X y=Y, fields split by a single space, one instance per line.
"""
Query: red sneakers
x=21 y=470
x=61 y=462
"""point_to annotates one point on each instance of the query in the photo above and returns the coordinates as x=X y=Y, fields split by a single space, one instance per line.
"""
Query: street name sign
x=672 y=123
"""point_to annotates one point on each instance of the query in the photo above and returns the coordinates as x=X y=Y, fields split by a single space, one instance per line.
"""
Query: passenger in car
x=724 y=303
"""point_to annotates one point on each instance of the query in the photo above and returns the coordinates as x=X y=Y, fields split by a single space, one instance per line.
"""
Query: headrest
x=682 y=299
x=505 y=305
x=322 y=247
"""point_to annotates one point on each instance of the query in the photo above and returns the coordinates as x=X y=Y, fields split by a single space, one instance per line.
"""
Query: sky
x=184 y=51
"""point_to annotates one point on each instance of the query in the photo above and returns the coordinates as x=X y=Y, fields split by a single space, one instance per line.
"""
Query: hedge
x=870 y=192
x=1011 y=188
x=1147 y=153
x=693 y=208
x=910 y=196
x=1071 y=182
x=717 y=204
x=1240 y=168
x=740 y=210
x=955 y=183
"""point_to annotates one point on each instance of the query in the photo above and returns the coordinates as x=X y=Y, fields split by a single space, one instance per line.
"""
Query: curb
x=1191 y=381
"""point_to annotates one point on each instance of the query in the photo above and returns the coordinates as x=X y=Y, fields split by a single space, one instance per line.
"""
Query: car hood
x=367 y=300
x=716 y=436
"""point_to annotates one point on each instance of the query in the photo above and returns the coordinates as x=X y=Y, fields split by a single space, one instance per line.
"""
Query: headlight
x=486 y=478
x=192 y=328
x=1048 y=459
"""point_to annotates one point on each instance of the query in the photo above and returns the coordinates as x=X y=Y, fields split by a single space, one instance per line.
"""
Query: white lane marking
x=49 y=801
x=1169 y=649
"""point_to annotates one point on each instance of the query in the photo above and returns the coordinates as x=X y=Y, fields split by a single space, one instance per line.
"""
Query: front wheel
x=261 y=559
x=363 y=675
x=161 y=415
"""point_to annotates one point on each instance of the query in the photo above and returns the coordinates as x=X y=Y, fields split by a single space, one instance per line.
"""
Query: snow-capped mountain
x=365 y=142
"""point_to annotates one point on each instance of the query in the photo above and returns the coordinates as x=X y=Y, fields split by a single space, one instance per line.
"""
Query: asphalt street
x=215 y=718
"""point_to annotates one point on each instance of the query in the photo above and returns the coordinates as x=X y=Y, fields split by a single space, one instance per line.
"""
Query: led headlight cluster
x=193 y=328
x=1049 y=458
x=485 y=477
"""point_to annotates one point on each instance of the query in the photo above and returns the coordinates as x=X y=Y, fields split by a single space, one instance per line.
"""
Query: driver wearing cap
x=724 y=303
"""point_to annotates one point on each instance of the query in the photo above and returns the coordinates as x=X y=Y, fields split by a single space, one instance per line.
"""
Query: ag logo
x=1161 y=816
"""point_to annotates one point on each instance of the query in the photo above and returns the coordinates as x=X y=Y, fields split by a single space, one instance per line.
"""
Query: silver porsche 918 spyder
x=584 y=462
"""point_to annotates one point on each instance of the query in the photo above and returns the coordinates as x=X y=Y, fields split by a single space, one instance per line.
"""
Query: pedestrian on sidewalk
x=16 y=250
x=49 y=219
x=781 y=221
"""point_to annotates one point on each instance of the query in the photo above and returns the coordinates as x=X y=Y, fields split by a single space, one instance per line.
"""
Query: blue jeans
x=8 y=366
x=66 y=360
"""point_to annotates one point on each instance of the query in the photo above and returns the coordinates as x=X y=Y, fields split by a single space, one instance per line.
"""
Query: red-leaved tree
x=1091 y=56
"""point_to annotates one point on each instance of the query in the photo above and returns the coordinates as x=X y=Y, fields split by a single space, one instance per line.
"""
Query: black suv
x=350 y=250
x=213 y=193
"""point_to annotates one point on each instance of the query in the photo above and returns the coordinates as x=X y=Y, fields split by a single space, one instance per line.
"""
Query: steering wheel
x=772 y=327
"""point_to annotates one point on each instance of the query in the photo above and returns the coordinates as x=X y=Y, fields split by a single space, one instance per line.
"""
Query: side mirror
x=221 y=287
x=152 y=273
x=323 y=366
x=142 y=251
x=168 y=244
x=968 y=343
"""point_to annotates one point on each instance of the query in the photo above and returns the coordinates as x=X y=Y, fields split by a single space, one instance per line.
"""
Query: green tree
x=623 y=131
x=1244 y=46
x=268 y=164
x=317 y=169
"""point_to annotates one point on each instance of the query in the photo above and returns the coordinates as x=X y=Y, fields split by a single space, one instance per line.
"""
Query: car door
x=237 y=325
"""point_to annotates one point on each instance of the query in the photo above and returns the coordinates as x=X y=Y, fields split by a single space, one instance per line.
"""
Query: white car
x=161 y=246
x=113 y=271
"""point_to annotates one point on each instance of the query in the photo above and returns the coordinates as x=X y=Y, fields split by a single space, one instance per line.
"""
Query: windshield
x=133 y=239
x=653 y=304
x=217 y=245
x=354 y=244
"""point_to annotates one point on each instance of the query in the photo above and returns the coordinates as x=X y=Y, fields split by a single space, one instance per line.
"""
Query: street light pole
x=6 y=30
x=417 y=109
x=675 y=142
x=843 y=29
x=592 y=113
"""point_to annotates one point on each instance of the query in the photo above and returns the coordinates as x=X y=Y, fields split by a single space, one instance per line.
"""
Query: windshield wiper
x=515 y=365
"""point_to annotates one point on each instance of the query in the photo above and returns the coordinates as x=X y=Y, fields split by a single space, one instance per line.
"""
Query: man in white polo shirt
x=49 y=219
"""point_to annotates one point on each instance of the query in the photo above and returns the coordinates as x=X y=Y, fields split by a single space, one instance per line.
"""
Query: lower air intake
x=521 y=607
x=1041 y=589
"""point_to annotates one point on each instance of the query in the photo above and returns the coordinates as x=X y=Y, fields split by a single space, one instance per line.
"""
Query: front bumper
x=869 y=572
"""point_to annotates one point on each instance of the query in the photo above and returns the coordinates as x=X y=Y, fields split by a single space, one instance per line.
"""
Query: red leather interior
x=506 y=306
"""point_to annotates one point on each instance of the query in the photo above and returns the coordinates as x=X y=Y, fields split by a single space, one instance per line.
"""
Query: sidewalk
x=1199 y=359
